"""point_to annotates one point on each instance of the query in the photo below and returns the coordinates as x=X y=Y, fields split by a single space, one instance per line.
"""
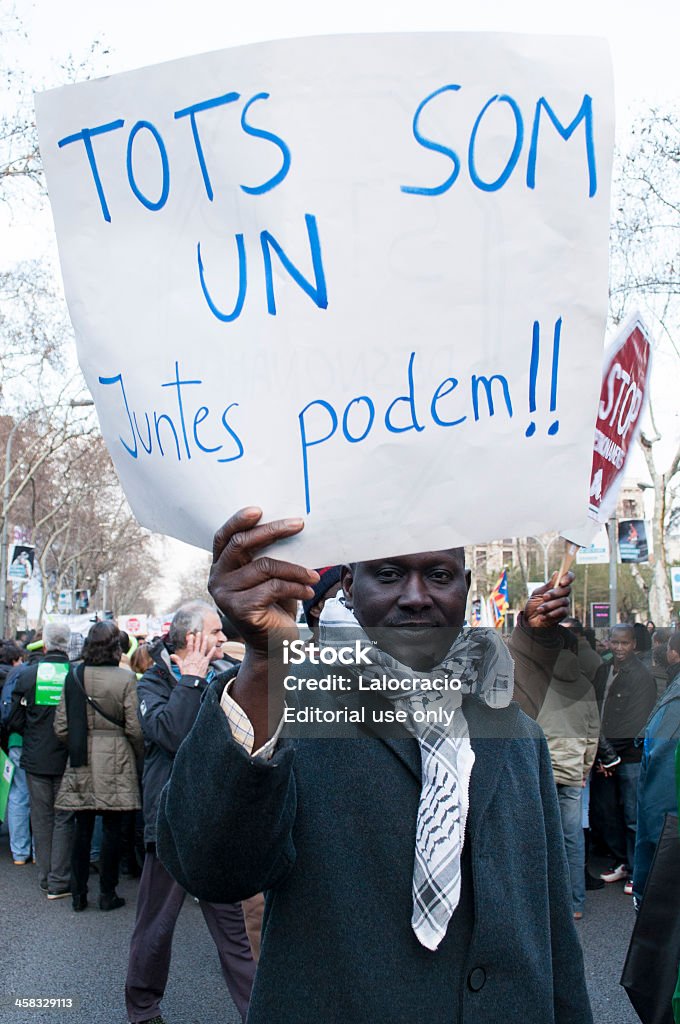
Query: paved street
x=48 y=951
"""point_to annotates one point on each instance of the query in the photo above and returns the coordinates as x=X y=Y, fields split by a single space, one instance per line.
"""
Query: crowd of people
x=161 y=759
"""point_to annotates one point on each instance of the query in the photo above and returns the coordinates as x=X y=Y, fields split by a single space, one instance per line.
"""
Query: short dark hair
x=589 y=634
x=570 y=640
x=662 y=635
x=574 y=624
x=102 y=646
x=628 y=626
x=643 y=638
x=674 y=641
x=10 y=652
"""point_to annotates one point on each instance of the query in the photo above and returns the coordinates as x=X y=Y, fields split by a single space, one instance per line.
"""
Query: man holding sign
x=423 y=867
x=395 y=249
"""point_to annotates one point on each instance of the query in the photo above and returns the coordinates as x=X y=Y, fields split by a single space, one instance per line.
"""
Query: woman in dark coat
x=97 y=720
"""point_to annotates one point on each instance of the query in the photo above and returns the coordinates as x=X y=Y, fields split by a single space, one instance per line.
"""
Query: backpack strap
x=92 y=702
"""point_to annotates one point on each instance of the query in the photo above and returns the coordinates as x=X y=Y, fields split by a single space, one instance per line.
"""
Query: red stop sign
x=622 y=400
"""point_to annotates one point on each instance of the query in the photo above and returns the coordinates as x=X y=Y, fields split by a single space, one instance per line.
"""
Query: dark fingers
x=246 y=603
x=552 y=591
x=244 y=519
x=263 y=569
x=234 y=546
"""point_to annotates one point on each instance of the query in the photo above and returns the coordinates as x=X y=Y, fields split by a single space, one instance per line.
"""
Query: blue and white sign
x=597 y=553
x=361 y=279
x=675 y=582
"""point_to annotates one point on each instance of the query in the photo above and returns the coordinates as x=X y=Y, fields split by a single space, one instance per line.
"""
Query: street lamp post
x=612 y=531
x=4 y=534
x=545 y=548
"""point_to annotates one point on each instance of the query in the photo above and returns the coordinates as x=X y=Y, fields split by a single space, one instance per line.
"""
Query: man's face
x=212 y=629
x=672 y=656
x=660 y=652
x=411 y=605
x=622 y=645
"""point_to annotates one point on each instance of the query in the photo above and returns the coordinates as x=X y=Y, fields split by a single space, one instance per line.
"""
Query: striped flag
x=498 y=600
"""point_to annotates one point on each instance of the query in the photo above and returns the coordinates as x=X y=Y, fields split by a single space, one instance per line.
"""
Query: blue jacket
x=327 y=829
x=656 y=789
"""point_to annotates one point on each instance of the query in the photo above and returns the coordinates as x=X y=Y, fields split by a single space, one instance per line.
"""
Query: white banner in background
x=675 y=582
x=596 y=553
x=361 y=279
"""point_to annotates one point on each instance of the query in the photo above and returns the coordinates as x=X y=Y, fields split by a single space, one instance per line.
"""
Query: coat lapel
x=491 y=732
x=395 y=737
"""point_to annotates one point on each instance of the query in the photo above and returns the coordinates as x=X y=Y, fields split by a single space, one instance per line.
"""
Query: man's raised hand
x=196 y=659
x=258 y=593
x=549 y=604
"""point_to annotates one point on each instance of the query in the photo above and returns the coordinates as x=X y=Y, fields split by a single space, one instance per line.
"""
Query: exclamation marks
x=533 y=375
x=555 y=425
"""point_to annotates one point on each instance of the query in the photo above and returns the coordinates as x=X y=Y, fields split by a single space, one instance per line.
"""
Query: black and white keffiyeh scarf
x=482 y=663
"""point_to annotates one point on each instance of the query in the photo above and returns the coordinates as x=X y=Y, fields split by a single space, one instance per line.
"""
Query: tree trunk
x=660 y=600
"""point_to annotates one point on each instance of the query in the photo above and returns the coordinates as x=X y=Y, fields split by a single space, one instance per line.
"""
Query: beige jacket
x=109 y=781
x=571 y=721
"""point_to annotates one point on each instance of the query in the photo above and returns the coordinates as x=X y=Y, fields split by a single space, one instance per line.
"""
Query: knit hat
x=330 y=575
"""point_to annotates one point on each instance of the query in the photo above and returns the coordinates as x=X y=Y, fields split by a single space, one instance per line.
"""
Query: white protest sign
x=361 y=279
x=133 y=624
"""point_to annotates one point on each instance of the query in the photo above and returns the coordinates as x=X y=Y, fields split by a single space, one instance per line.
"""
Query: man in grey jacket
x=410 y=875
x=169 y=698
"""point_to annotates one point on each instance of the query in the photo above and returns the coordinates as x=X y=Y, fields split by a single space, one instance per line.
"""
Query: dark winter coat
x=6 y=690
x=656 y=789
x=167 y=711
x=589 y=660
x=327 y=829
x=108 y=782
x=631 y=698
x=42 y=752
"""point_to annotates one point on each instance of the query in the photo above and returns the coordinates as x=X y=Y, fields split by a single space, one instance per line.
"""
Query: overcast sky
x=140 y=32
x=643 y=37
